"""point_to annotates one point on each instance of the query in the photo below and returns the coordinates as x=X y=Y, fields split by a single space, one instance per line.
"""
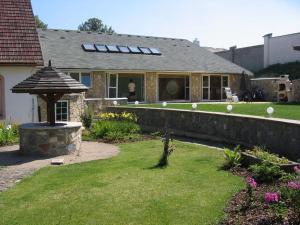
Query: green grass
x=286 y=111
x=124 y=190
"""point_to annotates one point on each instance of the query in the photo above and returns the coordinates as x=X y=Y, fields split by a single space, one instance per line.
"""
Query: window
x=112 y=85
x=75 y=76
x=145 y=50
x=86 y=79
x=89 y=47
x=155 y=51
x=101 y=48
x=225 y=84
x=134 y=49
x=112 y=48
x=124 y=49
x=173 y=87
x=61 y=111
x=205 y=89
x=213 y=87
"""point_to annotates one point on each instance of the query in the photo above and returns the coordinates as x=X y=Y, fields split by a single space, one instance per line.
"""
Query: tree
x=96 y=25
x=196 y=41
x=40 y=23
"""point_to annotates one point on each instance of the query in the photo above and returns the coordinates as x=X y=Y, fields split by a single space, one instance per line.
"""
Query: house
x=278 y=49
x=162 y=69
x=20 y=54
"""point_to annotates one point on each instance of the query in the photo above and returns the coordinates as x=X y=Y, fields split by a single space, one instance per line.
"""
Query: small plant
x=266 y=172
x=8 y=134
x=263 y=154
x=251 y=184
x=280 y=210
x=168 y=149
x=87 y=118
x=291 y=193
x=232 y=158
x=272 y=197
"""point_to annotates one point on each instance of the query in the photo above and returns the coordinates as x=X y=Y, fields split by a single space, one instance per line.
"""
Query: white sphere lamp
x=229 y=108
x=164 y=104
x=270 y=111
x=194 y=106
x=115 y=103
x=136 y=102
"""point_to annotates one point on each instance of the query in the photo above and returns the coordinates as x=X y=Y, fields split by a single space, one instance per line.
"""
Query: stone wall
x=235 y=83
x=296 y=90
x=278 y=135
x=98 y=85
x=151 y=87
x=196 y=87
x=76 y=107
x=268 y=86
x=38 y=139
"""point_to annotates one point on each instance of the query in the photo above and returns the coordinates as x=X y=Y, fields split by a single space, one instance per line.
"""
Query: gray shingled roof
x=63 y=47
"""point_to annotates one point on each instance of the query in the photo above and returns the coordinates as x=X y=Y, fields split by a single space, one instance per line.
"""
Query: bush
x=232 y=158
x=114 y=130
x=266 y=172
x=130 y=117
x=8 y=134
x=263 y=154
x=87 y=118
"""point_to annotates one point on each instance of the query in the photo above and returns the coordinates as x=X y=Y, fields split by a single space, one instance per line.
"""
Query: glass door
x=215 y=87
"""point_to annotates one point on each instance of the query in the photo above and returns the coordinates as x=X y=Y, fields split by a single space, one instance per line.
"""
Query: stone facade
x=38 y=139
x=151 y=87
x=280 y=136
x=235 y=83
x=296 y=90
x=76 y=107
x=268 y=86
x=196 y=87
x=98 y=85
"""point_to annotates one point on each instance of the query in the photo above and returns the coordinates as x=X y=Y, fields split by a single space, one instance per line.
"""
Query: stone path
x=14 y=167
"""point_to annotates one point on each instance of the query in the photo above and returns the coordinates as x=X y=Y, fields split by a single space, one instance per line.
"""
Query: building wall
x=151 y=87
x=196 y=87
x=280 y=49
x=98 y=88
x=251 y=58
x=235 y=83
x=19 y=108
x=296 y=90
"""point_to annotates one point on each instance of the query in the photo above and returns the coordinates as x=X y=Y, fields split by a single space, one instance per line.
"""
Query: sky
x=215 y=23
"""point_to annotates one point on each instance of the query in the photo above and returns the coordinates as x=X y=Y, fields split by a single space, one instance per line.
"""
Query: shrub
x=8 y=134
x=130 y=117
x=87 y=118
x=232 y=158
x=263 y=154
x=114 y=130
x=266 y=172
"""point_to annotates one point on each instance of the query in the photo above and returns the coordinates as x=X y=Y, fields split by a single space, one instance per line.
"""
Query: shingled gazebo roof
x=49 y=80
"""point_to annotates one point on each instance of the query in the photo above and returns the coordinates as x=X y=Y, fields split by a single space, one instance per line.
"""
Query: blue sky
x=216 y=23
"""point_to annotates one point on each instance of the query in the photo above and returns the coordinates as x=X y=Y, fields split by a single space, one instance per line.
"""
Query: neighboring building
x=20 y=54
x=163 y=69
x=250 y=58
x=281 y=49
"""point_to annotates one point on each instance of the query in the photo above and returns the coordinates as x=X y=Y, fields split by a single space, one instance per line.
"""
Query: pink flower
x=297 y=169
x=271 y=197
x=294 y=185
x=251 y=182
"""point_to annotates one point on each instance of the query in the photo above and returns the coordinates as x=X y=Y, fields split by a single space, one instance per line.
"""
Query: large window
x=84 y=78
x=174 y=87
x=127 y=85
x=213 y=87
x=61 y=111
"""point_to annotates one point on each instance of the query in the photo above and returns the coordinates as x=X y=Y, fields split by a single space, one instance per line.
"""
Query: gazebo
x=50 y=138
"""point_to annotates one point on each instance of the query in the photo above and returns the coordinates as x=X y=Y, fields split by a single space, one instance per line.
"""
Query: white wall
x=18 y=107
x=280 y=49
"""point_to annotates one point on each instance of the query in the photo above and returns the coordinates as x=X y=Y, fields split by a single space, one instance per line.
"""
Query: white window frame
x=208 y=87
x=112 y=87
x=67 y=110
x=91 y=84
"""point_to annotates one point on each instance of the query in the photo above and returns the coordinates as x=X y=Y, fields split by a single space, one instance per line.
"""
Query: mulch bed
x=259 y=213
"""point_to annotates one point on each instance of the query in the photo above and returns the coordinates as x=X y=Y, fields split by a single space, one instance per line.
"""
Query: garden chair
x=230 y=97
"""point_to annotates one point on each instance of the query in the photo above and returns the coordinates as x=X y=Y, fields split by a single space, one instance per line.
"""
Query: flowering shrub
x=251 y=184
x=118 y=116
x=272 y=197
x=8 y=134
x=297 y=169
x=294 y=185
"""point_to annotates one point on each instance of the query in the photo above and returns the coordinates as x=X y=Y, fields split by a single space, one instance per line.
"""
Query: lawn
x=125 y=190
x=286 y=111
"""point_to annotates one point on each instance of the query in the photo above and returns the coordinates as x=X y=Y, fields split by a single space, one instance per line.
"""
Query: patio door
x=213 y=87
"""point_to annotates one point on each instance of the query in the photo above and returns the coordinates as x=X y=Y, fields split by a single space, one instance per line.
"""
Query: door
x=215 y=87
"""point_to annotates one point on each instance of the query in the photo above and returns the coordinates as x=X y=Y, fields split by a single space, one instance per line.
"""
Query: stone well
x=41 y=139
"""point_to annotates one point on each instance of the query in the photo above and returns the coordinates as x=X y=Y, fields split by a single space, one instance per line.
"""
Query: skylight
x=101 y=48
x=112 y=48
x=145 y=50
x=155 y=51
x=134 y=49
x=124 y=49
x=89 y=47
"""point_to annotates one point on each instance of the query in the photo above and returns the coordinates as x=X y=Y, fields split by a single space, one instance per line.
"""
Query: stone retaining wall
x=278 y=135
x=38 y=139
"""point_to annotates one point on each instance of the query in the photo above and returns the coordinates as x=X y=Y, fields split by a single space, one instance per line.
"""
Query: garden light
x=164 y=104
x=136 y=102
x=270 y=111
x=115 y=103
x=194 y=106
x=229 y=108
